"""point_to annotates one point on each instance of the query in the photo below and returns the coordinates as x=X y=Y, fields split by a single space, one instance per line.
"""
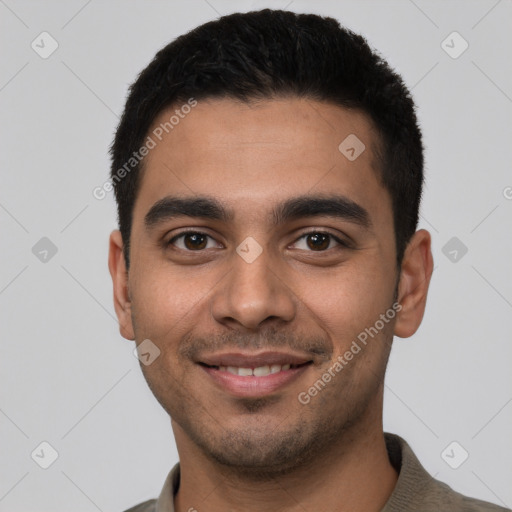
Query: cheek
x=163 y=304
x=346 y=304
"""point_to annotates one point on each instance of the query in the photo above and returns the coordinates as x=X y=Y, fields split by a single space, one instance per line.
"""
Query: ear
x=415 y=274
x=117 y=267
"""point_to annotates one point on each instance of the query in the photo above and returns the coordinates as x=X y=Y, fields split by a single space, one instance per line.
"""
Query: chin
x=262 y=451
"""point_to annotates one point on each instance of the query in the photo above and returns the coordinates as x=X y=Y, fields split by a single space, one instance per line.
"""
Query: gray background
x=67 y=376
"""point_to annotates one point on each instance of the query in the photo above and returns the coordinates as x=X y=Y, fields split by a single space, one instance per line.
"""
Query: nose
x=253 y=294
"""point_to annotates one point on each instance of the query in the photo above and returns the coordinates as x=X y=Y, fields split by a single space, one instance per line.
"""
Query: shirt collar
x=165 y=502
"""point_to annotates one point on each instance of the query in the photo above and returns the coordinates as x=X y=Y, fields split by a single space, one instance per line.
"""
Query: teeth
x=261 y=371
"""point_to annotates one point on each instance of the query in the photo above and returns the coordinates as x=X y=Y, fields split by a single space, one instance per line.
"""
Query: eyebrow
x=205 y=207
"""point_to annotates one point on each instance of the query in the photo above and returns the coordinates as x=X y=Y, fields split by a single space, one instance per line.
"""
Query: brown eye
x=191 y=241
x=319 y=241
x=194 y=241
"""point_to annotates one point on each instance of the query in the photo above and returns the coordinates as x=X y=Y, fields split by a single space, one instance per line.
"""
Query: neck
x=355 y=474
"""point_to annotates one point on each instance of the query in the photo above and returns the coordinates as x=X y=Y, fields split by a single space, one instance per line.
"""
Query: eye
x=192 y=241
x=316 y=241
x=320 y=241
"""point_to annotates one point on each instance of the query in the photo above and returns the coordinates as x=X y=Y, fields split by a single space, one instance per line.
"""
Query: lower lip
x=251 y=387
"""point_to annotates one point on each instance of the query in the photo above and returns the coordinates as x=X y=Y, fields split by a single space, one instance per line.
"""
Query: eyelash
x=341 y=243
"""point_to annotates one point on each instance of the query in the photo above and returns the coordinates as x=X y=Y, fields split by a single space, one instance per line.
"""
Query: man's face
x=255 y=291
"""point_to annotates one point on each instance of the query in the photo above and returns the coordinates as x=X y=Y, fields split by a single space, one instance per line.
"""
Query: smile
x=260 y=371
x=253 y=375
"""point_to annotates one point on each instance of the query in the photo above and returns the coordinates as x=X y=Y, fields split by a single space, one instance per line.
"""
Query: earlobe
x=119 y=274
x=415 y=274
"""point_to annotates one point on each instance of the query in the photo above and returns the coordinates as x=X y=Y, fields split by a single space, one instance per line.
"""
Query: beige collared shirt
x=415 y=490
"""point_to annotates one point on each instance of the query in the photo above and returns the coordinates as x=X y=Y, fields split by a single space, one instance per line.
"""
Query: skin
x=270 y=453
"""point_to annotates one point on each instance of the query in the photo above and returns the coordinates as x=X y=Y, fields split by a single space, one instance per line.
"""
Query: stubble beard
x=264 y=451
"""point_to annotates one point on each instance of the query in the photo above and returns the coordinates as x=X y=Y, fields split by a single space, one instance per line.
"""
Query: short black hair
x=268 y=54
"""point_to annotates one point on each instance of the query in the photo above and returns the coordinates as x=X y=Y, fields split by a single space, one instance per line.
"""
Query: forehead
x=250 y=155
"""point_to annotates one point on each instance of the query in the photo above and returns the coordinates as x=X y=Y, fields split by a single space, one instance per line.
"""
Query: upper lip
x=255 y=360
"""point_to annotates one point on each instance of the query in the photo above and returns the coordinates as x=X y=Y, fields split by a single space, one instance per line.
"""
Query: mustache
x=192 y=346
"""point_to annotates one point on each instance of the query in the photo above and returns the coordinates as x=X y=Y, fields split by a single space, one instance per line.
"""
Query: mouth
x=257 y=375
x=260 y=371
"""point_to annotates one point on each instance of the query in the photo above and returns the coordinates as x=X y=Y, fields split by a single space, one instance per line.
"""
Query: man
x=268 y=170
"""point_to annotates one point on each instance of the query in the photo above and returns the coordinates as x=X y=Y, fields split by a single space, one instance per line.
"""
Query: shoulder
x=417 y=490
x=165 y=501
x=147 y=506
x=440 y=494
